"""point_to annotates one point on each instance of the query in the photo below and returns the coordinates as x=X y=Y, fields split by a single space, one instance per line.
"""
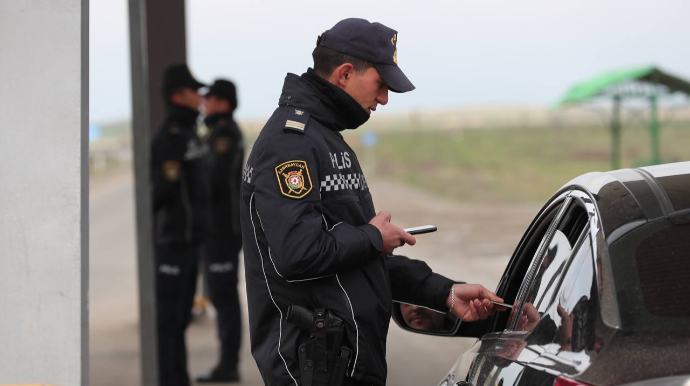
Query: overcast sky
x=457 y=53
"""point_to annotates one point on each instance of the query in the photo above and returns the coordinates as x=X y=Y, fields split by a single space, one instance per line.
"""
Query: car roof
x=628 y=198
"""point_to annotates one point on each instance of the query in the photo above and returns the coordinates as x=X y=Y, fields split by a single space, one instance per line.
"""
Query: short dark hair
x=326 y=60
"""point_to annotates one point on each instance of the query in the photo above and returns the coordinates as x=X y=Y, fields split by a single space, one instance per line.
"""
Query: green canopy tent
x=634 y=83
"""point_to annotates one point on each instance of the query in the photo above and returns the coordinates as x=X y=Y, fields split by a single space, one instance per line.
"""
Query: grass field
x=494 y=164
x=510 y=165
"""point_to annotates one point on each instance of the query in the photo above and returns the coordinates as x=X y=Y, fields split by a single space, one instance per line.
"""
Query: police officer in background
x=180 y=199
x=320 y=275
x=223 y=244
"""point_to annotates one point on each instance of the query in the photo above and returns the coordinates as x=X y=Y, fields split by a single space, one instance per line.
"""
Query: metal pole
x=654 y=129
x=616 y=133
x=85 y=191
x=141 y=138
x=166 y=44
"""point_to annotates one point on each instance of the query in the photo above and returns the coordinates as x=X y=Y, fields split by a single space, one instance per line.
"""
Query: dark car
x=600 y=288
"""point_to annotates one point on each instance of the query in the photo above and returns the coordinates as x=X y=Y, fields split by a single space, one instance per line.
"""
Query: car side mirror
x=424 y=320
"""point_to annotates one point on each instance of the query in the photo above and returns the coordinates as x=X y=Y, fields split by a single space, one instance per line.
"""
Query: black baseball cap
x=373 y=42
x=178 y=76
x=225 y=89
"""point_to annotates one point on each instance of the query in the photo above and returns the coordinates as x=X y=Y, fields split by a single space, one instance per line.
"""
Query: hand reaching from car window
x=472 y=302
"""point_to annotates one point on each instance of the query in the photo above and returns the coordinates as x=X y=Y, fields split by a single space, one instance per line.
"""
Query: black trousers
x=220 y=260
x=176 y=272
x=347 y=382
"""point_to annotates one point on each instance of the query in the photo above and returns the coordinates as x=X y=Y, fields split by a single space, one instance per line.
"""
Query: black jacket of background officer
x=305 y=212
x=178 y=176
x=225 y=167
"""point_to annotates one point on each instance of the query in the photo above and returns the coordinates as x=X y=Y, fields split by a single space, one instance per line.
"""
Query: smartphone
x=420 y=230
x=502 y=304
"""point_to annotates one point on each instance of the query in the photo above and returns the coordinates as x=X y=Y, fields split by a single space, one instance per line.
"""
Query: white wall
x=43 y=192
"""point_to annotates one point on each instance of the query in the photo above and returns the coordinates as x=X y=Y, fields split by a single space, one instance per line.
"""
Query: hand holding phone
x=420 y=230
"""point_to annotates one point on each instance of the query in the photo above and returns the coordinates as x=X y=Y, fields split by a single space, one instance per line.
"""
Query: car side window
x=519 y=265
x=550 y=271
x=548 y=268
x=573 y=314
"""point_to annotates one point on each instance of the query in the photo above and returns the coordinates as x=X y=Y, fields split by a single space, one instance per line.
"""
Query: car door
x=503 y=356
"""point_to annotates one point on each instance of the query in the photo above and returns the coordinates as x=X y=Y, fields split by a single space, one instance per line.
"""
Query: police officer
x=224 y=241
x=180 y=198
x=313 y=240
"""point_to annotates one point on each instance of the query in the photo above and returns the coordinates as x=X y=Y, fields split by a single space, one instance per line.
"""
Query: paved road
x=473 y=244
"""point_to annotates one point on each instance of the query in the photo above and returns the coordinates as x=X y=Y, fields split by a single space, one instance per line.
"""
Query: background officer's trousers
x=221 y=257
x=176 y=272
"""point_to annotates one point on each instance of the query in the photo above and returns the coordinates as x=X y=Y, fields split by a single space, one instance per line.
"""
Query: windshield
x=651 y=270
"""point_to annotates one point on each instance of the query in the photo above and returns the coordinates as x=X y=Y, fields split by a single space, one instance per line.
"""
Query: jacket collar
x=212 y=120
x=324 y=101
x=181 y=115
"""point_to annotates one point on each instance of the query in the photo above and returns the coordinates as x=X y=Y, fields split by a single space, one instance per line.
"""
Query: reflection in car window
x=571 y=282
x=521 y=262
x=545 y=282
x=549 y=269
x=573 y=313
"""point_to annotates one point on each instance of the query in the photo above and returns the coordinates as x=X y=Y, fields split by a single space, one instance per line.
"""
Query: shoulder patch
x=171 y=170
x=294 y=179
x=222 y=145
x=296 y=120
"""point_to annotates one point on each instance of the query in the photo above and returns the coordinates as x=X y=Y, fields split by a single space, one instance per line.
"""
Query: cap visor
x=197 y=85
x=394 y=77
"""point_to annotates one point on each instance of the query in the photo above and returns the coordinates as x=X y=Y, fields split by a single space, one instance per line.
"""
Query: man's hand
x=393 y=236
x=528 y=318
x=472 y=302
x=567 y=327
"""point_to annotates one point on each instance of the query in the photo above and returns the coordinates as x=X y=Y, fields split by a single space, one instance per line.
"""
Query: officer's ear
x=342 y=75
x=177 y=96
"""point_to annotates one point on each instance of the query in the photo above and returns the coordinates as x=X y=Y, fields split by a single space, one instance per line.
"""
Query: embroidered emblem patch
x=171 y=170
x=222 y=145
x=293 y=179
x=394 y=40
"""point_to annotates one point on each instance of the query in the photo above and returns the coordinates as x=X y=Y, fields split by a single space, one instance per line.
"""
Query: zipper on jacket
x=234 y=200
x=161 y=224
x=188 y=209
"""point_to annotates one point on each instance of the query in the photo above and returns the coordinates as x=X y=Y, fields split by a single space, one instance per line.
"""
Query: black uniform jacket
x=305 y=212
x=226 y=156
x=179 y=181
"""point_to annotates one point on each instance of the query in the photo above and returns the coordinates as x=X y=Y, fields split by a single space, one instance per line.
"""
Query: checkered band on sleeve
x=336 y=182
x=247 y=174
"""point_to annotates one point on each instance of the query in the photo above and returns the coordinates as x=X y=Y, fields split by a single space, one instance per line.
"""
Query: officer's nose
x=382 y=98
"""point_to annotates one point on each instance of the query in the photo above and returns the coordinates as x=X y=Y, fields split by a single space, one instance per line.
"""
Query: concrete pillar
x=157 y=39
x=44 y=192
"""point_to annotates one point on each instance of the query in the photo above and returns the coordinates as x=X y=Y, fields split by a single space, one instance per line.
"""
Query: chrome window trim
x=553 y=202
x=536 y=259
x=597 y=239
x=600 y=259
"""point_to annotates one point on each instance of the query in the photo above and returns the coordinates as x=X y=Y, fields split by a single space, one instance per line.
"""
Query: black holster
x=323 y=359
